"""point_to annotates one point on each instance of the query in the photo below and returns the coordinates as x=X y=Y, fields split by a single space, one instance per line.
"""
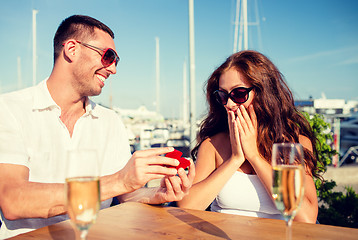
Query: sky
x=313 y=43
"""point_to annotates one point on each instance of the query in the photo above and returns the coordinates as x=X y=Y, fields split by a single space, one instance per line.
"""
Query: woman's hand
x=247 y=128
x=236 y=149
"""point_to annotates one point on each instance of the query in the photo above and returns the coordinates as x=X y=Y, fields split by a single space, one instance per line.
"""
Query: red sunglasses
x=109 y=56
x=238 y=95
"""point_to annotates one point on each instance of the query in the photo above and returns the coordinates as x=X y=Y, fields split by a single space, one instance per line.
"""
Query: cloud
x=328 y=53
x=351 y=61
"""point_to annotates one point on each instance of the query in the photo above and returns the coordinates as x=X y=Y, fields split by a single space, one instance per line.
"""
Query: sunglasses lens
x=221 y=97
x=109 y=57
x=239 y=95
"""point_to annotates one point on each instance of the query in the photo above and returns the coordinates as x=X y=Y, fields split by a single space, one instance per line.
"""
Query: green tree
x=321 y=130
x=335 y=208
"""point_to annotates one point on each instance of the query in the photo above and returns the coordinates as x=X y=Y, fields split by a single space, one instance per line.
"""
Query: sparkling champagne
x=83 y=200
x=288 y=188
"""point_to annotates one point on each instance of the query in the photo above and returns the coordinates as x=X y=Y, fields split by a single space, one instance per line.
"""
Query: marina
x=343 y=119
x=148 y=129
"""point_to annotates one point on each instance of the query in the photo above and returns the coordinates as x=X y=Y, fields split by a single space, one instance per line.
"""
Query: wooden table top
x=140 y=221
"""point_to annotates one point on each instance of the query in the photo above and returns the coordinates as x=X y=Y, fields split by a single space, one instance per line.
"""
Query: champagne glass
x=288 y=180
x=82 y=189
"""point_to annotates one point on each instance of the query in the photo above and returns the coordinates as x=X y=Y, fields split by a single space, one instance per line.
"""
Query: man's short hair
x=78 y=27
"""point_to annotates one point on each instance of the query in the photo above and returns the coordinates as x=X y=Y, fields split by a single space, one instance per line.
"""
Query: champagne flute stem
x=84 y=234
x=289 y=229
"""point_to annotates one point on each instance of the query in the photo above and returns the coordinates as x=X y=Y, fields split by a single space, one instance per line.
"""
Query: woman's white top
x=245 y=195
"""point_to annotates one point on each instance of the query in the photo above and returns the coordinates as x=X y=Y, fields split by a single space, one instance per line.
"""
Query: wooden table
x=141 y=221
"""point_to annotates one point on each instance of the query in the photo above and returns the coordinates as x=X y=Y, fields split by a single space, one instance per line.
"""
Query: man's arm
x=23 y=199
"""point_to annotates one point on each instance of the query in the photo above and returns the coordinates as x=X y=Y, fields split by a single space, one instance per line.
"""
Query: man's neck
x=69 y=116
x=72 y=105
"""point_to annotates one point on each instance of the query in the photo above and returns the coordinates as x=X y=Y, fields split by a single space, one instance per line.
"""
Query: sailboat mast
x=246 y=38
x=19 y=77
x=110 y=95
x=185 y=95
x=192 y=75
x=34 y=53
x=242 y=20
x=237 y=13
x=157 y=71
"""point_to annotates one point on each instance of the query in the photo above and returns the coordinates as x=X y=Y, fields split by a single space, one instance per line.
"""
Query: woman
x=251 y=107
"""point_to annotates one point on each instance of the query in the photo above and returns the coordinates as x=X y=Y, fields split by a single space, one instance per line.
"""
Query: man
x=40 y=124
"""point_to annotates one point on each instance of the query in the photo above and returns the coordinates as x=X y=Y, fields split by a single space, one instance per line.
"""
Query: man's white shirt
x=33 y=135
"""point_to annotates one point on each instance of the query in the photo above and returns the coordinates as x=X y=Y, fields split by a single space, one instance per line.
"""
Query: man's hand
x=146 y=165
x=172 y=187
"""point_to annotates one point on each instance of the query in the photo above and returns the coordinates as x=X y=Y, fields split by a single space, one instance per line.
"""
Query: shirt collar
x=91 y=107
x=43 y=100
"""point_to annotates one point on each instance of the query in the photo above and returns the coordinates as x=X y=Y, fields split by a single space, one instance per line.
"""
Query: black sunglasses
x=109 y=56
x=238 y=95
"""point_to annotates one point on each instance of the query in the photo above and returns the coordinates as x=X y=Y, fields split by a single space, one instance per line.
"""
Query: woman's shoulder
x=217 y=140
x=219 y=137
x=212 y=151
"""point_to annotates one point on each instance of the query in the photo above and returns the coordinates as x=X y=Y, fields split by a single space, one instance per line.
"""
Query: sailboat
x=242 y=20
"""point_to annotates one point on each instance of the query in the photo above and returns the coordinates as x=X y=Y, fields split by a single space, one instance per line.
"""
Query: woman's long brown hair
x=278 y=119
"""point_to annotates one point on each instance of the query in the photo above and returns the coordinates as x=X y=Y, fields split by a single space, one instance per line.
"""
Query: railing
x=352 y=153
